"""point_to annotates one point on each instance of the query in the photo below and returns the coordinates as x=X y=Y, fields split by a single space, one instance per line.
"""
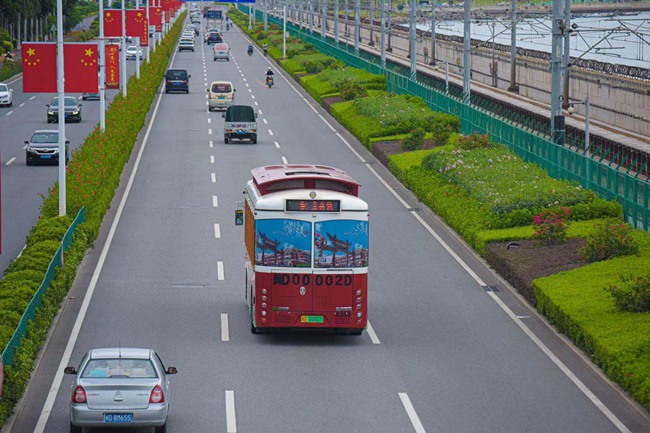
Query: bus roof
x=274 y=178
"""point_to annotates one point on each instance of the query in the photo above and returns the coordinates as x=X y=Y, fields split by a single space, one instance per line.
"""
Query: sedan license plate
x=241 y=132
x=118 y=417
x=311 y=319
x=46 y=156
x=221 y=97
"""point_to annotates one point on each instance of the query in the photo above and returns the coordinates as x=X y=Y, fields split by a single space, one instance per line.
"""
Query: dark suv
x=177 y=80
x=72 y=110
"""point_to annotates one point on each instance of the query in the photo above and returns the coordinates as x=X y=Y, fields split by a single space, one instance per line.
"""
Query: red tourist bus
x=306 y=238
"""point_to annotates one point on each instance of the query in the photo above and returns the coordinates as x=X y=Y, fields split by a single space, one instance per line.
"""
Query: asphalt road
x=444 y=355
x=22 y=185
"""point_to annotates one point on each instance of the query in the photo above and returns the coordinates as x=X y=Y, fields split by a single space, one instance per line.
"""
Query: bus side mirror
x=239 y=217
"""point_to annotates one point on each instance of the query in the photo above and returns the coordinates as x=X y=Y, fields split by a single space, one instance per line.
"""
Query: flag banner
x=112 y=66
x=155 y=18
x=137 y=25
x=39 y=67
x=81 y=67
x=112 y=23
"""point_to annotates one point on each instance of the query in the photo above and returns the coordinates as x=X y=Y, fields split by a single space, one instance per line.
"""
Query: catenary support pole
x=467 y=59
x=382 y=34
x=336 y=21
x=557 y=118
x=412 y=42
x=432 y=60
x=357 y=29
x=566 y=57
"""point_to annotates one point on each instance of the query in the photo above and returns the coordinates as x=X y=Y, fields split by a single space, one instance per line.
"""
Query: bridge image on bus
x=306 y=239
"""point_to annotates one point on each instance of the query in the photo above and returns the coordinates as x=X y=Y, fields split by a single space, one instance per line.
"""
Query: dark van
x=177 y=80
x=241 y=123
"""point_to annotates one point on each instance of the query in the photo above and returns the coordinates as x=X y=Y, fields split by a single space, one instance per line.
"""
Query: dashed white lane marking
x=259 y=111
x=215 y=201
x=210 y=131
x=24 y=147
x=410 y=411
x=276 y=144
x=208 y=104
x=220 y=271
x=250 y=91
x=246 y=84
x=206 y=96
x=244 y=80
x=253 y=96
x=265 y=121
x=209 y=120
x=231 y=417
x=255 y=102
x=21 y=104
x=213 y=176
x=225 y=333
x=32 y=98
x=217 y=231
x=10 y=161
x=372 y=334
x=211 y=159
x=9 y=113
x=211 y=143
x=284 y=160
x=270 y=132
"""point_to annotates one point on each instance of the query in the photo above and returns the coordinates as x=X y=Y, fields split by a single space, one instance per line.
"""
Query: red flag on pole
x=155 y=18
x=113 y=23
x=39 y=67
x=80 y=67
x=137 y=25
x=112 y=66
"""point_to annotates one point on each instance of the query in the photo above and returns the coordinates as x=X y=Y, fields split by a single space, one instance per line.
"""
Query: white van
x=221 y=95
x=221 y=52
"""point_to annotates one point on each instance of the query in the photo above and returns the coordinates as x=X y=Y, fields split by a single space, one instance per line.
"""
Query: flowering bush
x=610 y=238
x=473 y=141
x=398 y=114
x=632 y=294
x=414 y=140
x=549 y=226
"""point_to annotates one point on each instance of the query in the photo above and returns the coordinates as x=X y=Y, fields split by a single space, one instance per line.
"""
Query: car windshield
x=69 y=102
x=177 y=75
x=45 y=137
x=119 y=367
x=4 y=88
x=221 y=88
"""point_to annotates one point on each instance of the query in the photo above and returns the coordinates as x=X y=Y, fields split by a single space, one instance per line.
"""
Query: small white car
x=221 y=95
x=6 y=95
x=186 y=44
x=133 y=53
x=221 y=51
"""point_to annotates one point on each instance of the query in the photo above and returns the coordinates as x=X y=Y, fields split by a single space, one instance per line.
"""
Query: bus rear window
x=283 y=243
x=341 y=244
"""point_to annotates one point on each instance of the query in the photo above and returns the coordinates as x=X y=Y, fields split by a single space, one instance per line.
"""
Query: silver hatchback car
x=120 y=387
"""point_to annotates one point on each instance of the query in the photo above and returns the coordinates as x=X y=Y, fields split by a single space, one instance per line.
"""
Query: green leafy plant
x=351 y=89
x=632 y=294
x=414 y=140
x=610 y=238
x=474 y=141
x=550 y=227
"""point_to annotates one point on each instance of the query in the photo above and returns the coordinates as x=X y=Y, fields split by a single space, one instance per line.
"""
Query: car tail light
x=157 y=395
x=79 y=395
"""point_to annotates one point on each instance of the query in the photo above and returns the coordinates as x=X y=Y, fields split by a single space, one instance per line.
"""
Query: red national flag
x=112 y=66
x=155 y=18
x=80 y=67
x=137 y=25
x=112 y=23
x=39 y=67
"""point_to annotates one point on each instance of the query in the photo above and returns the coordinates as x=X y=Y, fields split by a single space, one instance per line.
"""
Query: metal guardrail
x=594 y=168
x=9 y=351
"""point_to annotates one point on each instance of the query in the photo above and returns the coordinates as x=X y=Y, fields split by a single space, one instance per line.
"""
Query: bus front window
x=341 y=244
x=283 y=242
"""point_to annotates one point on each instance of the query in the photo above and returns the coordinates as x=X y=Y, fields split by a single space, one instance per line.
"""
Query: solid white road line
x=213 y=177
x=211 y=143
x=284 y=160
x=276 y=144
x=217 y=231
x=410 y=411
x=215 y=201
x=225 y=334
x=372 y=334
x=211 y=159
x=231 y=417
x=10 y=161
x=220 y=270
x=65 y=359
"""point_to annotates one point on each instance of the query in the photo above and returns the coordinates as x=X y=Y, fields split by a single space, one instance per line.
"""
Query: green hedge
x=93 y=175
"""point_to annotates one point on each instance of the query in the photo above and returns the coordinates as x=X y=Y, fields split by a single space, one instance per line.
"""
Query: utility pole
x=266 y=11
x=412 y=42
x=357 y=33
x=372 y=23
x=557 y=118
x=311 y=17
x=513 y=49
x=383 y=33
x=389 y=48
x=467 y=58
x=323 y=20
x=336 y=21
x=566 y=58
x=433 y=32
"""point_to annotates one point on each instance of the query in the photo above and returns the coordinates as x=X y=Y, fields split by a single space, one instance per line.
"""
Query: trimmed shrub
x=632 y=294
x=610 y=238
x=549 y=226
x=474 y=141
x=414 y=140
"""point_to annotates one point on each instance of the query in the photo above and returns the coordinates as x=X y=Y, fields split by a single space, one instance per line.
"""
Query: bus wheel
x=253 y=329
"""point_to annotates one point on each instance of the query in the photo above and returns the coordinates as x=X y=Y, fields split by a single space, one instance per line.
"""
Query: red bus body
x=306 y=238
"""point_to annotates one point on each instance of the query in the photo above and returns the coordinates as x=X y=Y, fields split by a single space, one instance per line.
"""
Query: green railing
x=37 y=300
x=600 y=173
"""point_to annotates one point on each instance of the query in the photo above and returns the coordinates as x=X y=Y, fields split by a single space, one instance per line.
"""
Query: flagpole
x=148 y=37
x=102 y=69
x=137 y=57
x=61 y=96
x=123 y=56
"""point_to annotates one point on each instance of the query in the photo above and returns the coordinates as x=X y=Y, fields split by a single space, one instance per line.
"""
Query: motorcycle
x=266 y=51
x=269 y=80
x=227 y=27
x=250 y=51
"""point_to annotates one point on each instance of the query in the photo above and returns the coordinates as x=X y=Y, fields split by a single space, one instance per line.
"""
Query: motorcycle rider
x=269 y=76
x=250 y=49
x=266 y=49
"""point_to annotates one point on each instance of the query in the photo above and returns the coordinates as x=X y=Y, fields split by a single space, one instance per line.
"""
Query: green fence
x=37 y=299
x=600 y=174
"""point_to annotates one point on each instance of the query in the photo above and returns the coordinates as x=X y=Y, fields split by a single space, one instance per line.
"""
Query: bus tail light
x=79 y=395
x=157 y=395
x=263 y=313
x=359 y=314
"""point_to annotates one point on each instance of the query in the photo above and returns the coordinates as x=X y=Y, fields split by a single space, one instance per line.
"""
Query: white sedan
x=6 y=95
x=133 y=53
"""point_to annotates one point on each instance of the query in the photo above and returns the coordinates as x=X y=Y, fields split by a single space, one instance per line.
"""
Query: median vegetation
x=509 y=210
x=93 y=175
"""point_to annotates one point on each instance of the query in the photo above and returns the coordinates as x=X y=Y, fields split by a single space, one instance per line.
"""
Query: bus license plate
x=118 y=417
x=311 y=319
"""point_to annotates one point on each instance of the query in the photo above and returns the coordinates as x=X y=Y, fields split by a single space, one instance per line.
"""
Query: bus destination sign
x=313 y=206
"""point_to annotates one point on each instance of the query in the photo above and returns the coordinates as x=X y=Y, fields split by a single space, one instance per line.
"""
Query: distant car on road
x=89 y=96
x=186 y=45
x=133 y=53
x=43 y=147
x=72 y=110
x=6 y=95
x=214 y=38
x=221 y=95
x=177 y=80
x=120 y=387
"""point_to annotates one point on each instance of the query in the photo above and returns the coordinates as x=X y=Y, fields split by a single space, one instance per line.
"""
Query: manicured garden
x=93 y=175
x=490 y=196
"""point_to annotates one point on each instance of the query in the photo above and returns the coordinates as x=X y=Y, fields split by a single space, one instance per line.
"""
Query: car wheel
x=75 y=429
x=28 y=162
x=49 y=121
x=161 y=428
x=225 y=140
x=254 y=139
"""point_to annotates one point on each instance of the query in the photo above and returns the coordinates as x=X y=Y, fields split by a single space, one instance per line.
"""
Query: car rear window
x=176 y=75
x=240 y=113
x=119 y=367
x=221 y=88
